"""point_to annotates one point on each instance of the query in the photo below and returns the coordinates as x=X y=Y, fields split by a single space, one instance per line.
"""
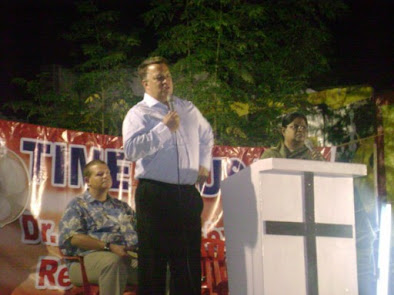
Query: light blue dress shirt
x=150 y=143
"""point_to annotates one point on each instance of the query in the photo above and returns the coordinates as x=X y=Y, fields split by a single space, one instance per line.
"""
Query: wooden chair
x=92 y=289
x=213 y=266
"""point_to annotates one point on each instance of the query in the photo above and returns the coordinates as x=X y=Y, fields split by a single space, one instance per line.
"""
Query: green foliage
x=259 y=53
x=348 y=126
x=102 y=76
x=44 y=105
x=225 y=55
x=98 y=93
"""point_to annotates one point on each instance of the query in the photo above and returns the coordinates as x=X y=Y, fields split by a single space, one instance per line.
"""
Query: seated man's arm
x=74 y=233
x=88 y=243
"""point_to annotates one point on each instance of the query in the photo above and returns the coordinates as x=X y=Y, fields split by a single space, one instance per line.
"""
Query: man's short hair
x=86 y=169
x=150 y=61
x=288 y=118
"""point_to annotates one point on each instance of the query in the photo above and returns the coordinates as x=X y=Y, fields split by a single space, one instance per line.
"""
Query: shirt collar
x=151 y=101
x=90 y=199
x=283 y=150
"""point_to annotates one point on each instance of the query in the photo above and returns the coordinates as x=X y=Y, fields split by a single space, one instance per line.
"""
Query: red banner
x=41 y=171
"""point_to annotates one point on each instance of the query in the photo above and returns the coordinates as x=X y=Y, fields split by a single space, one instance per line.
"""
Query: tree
x=256 y=54
x=103 y=77
x=98 y=92
x=49 y=103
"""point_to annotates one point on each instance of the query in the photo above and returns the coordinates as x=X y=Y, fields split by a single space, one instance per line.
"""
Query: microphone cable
x=170 y=101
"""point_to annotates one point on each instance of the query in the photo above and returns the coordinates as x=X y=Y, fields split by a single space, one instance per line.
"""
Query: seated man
x=294 y=132
x=101 y=229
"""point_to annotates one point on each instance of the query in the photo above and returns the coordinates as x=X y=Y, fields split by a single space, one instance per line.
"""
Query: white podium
x=289 y=228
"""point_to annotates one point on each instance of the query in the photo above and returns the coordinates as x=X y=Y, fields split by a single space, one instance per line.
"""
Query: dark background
x=363 y=45
x=31 y=36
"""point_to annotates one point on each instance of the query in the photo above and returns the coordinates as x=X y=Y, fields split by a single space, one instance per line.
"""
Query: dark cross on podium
x=310 y=230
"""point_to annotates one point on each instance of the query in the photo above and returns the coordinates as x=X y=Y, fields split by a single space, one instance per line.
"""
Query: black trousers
x=169 y=231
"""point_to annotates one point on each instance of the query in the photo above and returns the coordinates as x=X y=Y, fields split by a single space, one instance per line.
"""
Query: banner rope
x=359 y=140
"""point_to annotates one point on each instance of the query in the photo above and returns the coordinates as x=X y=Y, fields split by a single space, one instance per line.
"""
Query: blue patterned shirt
x=109 y=221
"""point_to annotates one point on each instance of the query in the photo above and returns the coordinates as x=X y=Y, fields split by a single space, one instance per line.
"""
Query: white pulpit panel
x=284 y=265
x=289 y=227
x=337 y=266
x=332 y=194
x=286 y=203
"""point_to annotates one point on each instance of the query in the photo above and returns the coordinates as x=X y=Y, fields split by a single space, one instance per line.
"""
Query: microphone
x=316 y=155
x=170 y=101
x=309 y=145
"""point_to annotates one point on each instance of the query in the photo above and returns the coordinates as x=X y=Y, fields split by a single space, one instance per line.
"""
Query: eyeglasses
x=296 y=127
x=161 y=78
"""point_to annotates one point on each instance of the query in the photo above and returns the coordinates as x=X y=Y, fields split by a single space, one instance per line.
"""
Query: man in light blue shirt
x=171 y=143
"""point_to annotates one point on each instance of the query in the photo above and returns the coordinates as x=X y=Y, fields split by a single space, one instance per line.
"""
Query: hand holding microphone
x=316 y=155
x=171 y=120
x=309 y=144
x=170 y=102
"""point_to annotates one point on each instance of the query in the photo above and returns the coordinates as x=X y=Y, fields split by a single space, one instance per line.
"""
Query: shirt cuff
x=206 y=159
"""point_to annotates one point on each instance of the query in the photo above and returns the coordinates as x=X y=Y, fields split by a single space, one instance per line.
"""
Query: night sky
x=31 y=36
x=363 y=45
